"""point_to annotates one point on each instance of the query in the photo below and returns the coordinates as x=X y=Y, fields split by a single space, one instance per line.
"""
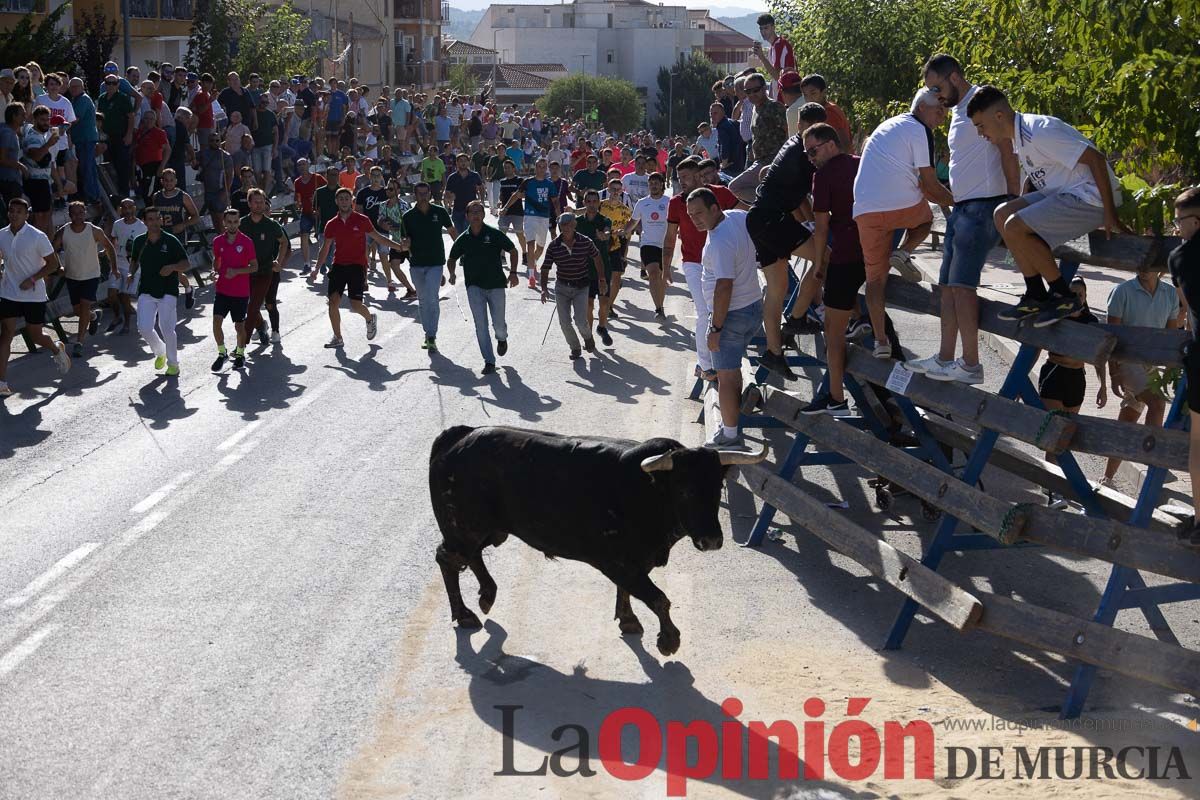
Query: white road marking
x=13 y=658
x=64 y=565
x=156 y=497
x=237 y=437
x=239 y=454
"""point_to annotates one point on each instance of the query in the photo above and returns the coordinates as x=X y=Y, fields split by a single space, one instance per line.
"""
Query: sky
x=720 y=8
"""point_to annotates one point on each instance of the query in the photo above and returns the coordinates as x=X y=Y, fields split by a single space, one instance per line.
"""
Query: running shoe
x=590 y=345
x=5 y=390
x=659 y=314
x=719 y=441
x=575 y=354
x=160 y=362
x=501 y=346
x=801 y=326
x=239 y=359
x=924 y=365
x=219 y=363
x=901 y=261
x=489 y=368
x=275 y=337
x=1025 y=307
x=957 y=371
x=1057 y=307
x=825 y=404
x=264 y=335
x=173 y=370
x=116 y=323
x=77 y=351
x=777 y=363
x=372 y=327
x=410 y=294
x=1056 y=501
x=62 y=359
x=604 y=336
x=97 y=315
x=432 y=345
x=334 y=343
x=858 y=327
x=882 y=350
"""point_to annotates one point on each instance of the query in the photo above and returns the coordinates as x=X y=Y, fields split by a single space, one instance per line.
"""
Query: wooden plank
x=1129 y=654
x=1123 y=251
x=1040 y=473
x=1085 y=342
x=1149 y=345
x=1130 y=441
x=968 y=403
x=924 y=480
x=940 y=597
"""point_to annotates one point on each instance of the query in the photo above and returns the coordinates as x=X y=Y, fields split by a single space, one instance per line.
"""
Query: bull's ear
x=658 y=463
x=731 y=457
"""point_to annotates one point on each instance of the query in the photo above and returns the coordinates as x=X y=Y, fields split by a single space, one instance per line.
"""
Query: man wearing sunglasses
x=768 y=132
x=119 y=122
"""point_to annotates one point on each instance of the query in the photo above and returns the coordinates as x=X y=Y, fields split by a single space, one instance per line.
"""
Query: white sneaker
x=924 y=365
x=901 y=261
x=5 y=391
x=958 y=371
x=275 y=337
x=882 y=350
x=62 y=359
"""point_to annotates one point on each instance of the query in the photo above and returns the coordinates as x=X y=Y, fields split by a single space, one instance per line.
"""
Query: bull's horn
x=729 y=457
x=658 y=463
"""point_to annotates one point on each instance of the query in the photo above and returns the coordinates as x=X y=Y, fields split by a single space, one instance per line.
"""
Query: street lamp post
x=582 y=86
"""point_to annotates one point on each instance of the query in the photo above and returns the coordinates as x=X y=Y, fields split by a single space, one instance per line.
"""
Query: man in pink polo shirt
x=233 y=263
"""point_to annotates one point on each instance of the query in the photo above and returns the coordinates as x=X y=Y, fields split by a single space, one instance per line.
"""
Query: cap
x=565 y=217
x=57 y=119
x=789 y=79
x=109 y=69
x=8 y=73
x=191 y=76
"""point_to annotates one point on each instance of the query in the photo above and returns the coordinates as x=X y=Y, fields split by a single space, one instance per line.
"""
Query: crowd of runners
x=380 y=176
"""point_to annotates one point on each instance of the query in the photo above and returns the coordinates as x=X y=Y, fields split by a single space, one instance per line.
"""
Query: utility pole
x=582 y=87
x=349 y=65
x=671 y=103
x=125 y=35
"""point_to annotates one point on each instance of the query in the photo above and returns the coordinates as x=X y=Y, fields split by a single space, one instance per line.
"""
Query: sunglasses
x=812 y=151
x=1178 y=221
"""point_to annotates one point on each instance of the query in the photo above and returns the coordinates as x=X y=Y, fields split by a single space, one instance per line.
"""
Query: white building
x=627 y=39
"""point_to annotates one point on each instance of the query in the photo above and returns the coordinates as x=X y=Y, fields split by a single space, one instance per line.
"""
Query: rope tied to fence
x=1046 y=420
x=1018 y=511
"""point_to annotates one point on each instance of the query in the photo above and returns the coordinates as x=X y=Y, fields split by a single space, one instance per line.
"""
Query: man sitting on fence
x=1184 y=263
x=1072 y=191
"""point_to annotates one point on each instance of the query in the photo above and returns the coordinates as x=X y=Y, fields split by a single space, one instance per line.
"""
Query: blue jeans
x=459 y=221
x=740 y=327
x=427 y=281
x=970 y=235
x=483 y=301
x=89 y=175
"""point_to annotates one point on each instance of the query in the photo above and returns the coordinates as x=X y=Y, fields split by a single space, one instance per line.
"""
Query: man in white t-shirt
x=26 y=258
x=895 y=184
x=121 y=286
x=650 y=213
x=637 y=183
x=983 y=175
x=729 y=279
x=1071 y=191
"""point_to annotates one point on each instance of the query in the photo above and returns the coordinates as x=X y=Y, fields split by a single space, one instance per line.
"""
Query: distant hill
x=462 y=22
x=747 y=24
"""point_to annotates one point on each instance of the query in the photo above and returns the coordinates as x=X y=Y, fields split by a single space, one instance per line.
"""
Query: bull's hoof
x=668 y=642
x=487 y=597
x=468 y=621
x=632 y=626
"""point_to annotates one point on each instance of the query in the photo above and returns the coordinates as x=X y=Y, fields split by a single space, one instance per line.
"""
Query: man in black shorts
x=779 y=224
x=597 y=227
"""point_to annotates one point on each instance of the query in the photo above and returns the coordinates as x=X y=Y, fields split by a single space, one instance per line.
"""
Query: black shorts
x=82 y=290
x=232 y=307
x=842 y=282
x=396 y=255
x=775 y=233
x=1191 y=370
x=1064 y=384
x=348 y=279
x=651 y=255
x=40 y=197
x=33 y=313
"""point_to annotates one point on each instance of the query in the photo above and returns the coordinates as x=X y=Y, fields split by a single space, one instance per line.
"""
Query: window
x=611 y=57
x=610 y=20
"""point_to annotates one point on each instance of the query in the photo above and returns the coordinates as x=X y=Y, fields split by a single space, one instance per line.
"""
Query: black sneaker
x=97 y=315
x=575 y=354
x=612 y=314
x=501 y=349
x=219 y=363
x=824 y=404
x=858 y=327
x=77 y=351
x=604 y=337
x=590 y=345
x=777 y=363
x=189 y=299
x=489 y=368
x=264 y=335
x=801 y=326
x=1025 y=307
x=643 y=274
x=1056 y=308
x=660 y=314
x=239 y=360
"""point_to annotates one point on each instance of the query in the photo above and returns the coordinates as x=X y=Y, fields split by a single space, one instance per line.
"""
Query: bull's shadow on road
x=160 y=403
x=265 y=384
x=618 y=377
x=549 y=698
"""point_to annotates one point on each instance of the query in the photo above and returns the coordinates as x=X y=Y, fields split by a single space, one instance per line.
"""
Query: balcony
x=445 y=12
x=141 y=9
x=176 y=9
x=422 y=75
x=22 y=6
x=427 y=10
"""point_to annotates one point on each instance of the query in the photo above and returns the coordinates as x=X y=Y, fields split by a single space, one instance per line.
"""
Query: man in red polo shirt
x=692 y=239
x=779 y=58
x=347 y=233
x=306 y=185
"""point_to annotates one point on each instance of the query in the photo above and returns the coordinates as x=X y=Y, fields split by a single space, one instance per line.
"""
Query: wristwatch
x=715 y=328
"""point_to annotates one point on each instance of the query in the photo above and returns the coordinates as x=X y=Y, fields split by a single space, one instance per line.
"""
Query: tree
x=43 y=43
x=251 y=37
x=95 y=37
x=689 y=82
x=616 y=101
x=461 y=79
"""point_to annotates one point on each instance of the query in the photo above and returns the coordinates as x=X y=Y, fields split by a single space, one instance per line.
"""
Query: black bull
x=617 y=505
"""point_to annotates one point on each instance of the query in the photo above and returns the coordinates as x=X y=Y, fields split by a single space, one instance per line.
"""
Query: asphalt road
x=224 y=586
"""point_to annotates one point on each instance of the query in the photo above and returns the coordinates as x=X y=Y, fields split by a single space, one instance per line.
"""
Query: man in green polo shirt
x=158 y=258
x=271 y=250
x=482 y=248
x=589 y=178
x=118 y=112
x=424 y=224
x=325 y=204
x=597 y=227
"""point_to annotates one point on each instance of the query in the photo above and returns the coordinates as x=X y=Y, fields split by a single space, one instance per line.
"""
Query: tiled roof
x=508 y=76
x=461 y=47
x=540 y=67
